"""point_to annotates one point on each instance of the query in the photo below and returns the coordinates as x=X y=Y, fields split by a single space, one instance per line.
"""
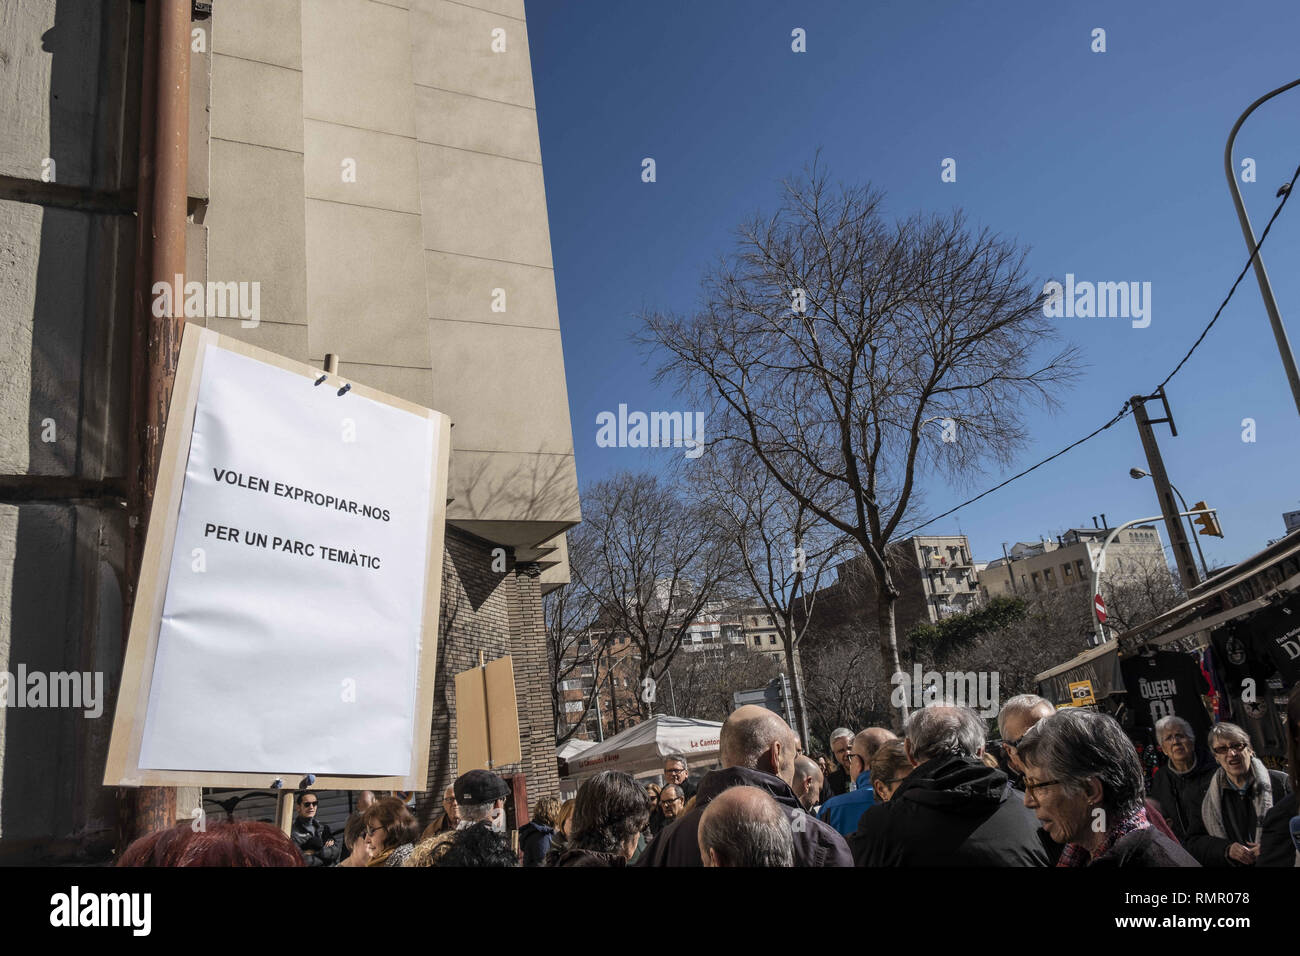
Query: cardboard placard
x=287 y=611
x=487 y=718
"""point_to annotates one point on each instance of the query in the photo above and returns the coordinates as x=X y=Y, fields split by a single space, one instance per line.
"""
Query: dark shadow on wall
x=65 y=614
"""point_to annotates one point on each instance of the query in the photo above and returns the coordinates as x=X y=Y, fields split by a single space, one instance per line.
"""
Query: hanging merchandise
x=1218 y=700
x=1238 y=658
x=1274 y=636
x=1166 y=684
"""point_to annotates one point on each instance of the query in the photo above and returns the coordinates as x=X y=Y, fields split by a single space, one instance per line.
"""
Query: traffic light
x=1209 y=522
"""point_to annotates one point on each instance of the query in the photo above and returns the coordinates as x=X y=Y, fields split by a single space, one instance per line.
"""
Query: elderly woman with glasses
x=1242 y=791
x=390 y=832
x=1083 y=781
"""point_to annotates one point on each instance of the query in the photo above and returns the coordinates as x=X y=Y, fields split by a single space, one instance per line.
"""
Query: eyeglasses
x=1231 y=748
x=675 y=770
x=1176 y=739
x=664 y=803
x=306 y=804
x=371 y=831
x=1031 y=787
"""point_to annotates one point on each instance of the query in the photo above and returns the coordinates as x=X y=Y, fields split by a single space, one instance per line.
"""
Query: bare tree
x=705 y=682
x=783 y=549
x=574 y=647
x=650 y=569
x=848 y=354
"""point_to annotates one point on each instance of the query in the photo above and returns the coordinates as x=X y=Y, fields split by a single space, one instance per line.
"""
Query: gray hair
x=1073 y=745
x=1227 y=731
x=748 y=836
x=475 y=812
x=1021 y=704
x=837 y=733
x=1165 y=722
x=943 y=729
x=677 y=758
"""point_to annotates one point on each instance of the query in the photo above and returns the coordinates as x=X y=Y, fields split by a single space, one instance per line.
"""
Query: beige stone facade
x=375 y=168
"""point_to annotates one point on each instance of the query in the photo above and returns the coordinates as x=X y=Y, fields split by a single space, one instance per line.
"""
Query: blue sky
x=1106 y=165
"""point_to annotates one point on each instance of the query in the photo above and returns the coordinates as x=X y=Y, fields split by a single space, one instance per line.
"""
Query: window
x=1083 y=572
x=570 y=685
x=1024 y=582
x=771 y=638
x=758 y=640
x=1035 y=577
x=1067 y=574
x=1049 y=577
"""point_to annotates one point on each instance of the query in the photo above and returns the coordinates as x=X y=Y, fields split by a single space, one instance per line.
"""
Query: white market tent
x=641 y=749
x=572 y=747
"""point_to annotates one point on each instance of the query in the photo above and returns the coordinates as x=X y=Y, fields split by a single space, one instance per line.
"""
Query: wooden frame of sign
x=123 y=764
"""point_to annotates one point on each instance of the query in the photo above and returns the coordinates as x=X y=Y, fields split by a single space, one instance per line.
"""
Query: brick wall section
x=498 y=613
x=533 y=684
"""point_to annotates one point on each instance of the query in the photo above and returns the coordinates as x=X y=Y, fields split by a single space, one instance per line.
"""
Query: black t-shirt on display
x=1239 y=660
x=1166 y=684
x=1274 y=636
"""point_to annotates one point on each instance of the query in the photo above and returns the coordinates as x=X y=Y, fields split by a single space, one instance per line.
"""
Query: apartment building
x=1065 y=563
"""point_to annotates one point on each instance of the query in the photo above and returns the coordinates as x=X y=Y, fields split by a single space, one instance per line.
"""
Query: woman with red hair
x=241 y=843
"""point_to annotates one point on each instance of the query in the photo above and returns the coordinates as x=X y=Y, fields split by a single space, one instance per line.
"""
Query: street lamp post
x=1261 y=276
x=1138 y=474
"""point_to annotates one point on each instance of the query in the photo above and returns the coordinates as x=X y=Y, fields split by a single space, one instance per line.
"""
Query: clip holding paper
x=306 y=781
x=345 y=388
x=277 y=783
x=319 y=380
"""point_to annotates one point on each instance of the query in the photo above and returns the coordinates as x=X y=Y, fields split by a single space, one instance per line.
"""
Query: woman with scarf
x=1242 y=791
x=1084 y=783
x=390 y=832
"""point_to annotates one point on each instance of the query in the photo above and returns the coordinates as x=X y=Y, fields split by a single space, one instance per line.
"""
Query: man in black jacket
x=314 y=840
x=839 y=780
x=757 y=749
x=951 y=810
x=1179 y=786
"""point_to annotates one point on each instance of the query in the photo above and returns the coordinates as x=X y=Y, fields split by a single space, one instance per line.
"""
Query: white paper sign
x=291 y=625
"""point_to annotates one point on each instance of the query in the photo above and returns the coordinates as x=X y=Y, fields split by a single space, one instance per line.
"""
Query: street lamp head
x=1137 y=473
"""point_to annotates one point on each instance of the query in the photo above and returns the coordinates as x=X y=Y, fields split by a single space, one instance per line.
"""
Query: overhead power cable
x=1124 y=411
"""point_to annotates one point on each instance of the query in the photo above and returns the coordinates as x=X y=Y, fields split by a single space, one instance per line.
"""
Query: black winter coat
x=837 y=782
x=1178 y=796
x=1213 y=851
x=950 y=811
x=815 y=843
x=1145 y=847
x=1275 y=845
x=310 y=836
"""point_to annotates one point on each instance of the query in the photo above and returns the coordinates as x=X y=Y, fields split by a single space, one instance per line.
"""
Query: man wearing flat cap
x=479 y=837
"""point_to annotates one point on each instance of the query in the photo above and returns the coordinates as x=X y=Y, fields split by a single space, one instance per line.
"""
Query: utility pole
x=1011 y=574
x=1164 y=491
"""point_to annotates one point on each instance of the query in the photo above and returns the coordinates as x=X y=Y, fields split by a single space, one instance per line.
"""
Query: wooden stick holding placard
x=487 y=716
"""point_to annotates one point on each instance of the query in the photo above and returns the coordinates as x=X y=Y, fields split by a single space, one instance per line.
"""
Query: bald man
x=757 y=749
x=744 y=826
x=807 y=784
x=844 y=811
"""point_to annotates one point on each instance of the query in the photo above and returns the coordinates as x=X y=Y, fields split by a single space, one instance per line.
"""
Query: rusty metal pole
x=160 y=247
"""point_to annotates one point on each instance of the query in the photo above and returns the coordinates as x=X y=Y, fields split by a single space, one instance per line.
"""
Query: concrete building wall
x=428 y=271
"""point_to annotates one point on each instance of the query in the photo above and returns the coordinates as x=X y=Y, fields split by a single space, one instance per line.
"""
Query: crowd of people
x=1060 y=788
